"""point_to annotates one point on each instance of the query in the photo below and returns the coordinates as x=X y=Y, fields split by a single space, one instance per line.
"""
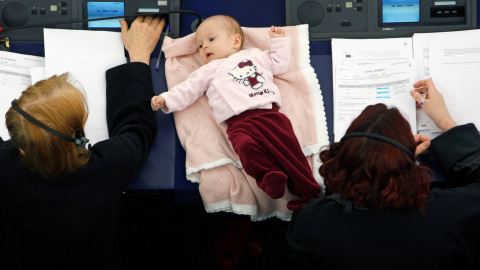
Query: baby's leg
x=258 y=162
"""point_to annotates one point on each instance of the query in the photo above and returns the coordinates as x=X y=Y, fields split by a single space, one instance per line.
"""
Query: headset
x=381 y=138
x=78 y=140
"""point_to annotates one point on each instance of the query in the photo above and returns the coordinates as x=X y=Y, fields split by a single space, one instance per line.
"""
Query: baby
x=240 y=89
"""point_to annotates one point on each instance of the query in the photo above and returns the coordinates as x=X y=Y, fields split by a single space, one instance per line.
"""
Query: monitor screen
x=96 y=10
x=401 y=11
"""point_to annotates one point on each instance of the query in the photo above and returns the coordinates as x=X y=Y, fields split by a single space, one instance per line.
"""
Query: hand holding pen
x=424 y=95
x=160 y=54
x=434 y=104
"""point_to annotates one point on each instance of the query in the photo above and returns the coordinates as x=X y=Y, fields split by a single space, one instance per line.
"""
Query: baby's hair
x=235 y=27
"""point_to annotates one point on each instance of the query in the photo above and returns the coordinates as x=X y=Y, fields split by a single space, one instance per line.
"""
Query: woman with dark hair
x=379 y=212
x=59 y=200
x=374 y=173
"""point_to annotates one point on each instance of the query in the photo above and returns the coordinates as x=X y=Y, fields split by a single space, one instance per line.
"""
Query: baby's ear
x=237 y=41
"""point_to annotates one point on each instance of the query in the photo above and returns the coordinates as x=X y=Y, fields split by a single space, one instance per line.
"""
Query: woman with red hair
x=380 y=212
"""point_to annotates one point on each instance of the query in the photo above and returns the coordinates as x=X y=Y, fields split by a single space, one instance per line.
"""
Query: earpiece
x=78 y=140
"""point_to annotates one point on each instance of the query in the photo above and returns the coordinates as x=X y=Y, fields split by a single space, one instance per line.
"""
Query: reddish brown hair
x=374 y=173
x=58 y=104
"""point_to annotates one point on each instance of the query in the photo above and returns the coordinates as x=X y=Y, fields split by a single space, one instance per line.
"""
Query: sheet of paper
x=454 y=67
x=37 y=74
x=421 y=49
x=351 y=56
x=14 y=78
x=364 y=50
x=9 y=59
x=421 y=45
x=422 y=64
x=86 y=55
x=359 y=86
x=421 y=56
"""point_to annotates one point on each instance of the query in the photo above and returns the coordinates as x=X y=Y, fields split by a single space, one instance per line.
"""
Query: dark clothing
x=269 y=151
x=72 y=222
x=447 y=236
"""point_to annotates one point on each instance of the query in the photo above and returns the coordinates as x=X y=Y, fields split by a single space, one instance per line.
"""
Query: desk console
x=61 y=14
x=380 y=18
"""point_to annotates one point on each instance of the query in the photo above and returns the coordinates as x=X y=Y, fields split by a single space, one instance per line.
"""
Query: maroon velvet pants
x=269 y=151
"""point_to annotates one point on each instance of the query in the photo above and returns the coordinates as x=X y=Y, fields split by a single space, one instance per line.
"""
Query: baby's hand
x=157 y=103
x=276 y=31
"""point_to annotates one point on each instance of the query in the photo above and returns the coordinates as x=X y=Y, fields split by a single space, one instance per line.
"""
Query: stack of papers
x=15 y=76
x=371 y=71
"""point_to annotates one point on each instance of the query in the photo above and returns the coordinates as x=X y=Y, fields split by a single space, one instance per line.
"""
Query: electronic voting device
x=59 y=14
x=380 y=18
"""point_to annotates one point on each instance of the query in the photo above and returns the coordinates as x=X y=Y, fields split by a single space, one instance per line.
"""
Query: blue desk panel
x=159 y=170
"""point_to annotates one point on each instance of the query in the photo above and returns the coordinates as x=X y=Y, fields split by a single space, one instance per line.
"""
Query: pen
x=424 y=96
x=160 y=54
x=158 y=60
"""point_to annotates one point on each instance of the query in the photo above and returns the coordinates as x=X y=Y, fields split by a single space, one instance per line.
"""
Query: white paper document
x=421 y=48
x=371 y=71
x=428 y=49
x=86 y=55
x=14 y=78
x=364 y=50
x=37 y=74
x=10 y=59
x=359 y=86
x=455 y=69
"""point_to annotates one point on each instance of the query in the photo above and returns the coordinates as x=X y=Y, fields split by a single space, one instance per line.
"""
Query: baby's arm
x=276 y=31
x=279 y=54
x=158 y=102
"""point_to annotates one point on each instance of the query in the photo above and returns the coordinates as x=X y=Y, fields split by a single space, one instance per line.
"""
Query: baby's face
x=214 y=41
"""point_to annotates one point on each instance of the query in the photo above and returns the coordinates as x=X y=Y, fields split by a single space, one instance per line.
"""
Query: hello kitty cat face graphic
x=243 y=70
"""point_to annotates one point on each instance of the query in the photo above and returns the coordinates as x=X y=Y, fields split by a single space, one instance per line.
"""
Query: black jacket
x=72 y=222
x=447 y=236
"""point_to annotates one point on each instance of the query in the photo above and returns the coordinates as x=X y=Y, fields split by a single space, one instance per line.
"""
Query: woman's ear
x=237 y=41
x=21 y=151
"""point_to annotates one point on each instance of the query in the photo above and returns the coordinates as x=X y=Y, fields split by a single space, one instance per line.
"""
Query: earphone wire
x=81 y=141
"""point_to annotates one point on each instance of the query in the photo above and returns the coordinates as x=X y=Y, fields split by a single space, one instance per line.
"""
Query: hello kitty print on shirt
x=246 y=72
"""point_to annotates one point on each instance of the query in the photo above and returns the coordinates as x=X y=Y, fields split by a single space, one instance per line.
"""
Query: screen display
x=401 y=11
x=96 y=10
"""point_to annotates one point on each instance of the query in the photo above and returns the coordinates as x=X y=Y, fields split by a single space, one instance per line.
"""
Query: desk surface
x=165 y=167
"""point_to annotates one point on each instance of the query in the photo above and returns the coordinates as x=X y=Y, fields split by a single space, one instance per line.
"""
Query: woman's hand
x=434 y=105
x=142 y=37
x=423 y=142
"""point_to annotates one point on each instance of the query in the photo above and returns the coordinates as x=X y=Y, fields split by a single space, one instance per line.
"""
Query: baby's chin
x=205 y=60
x=208 y=60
